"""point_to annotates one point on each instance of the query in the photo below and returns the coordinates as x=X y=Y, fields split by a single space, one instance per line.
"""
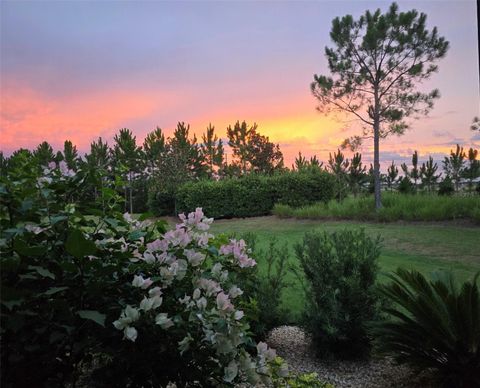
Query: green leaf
x=93 y=315
x=56 y=219
x=42 y=271
x=77 y=245
x=54 y=290
x=136 y=234
x=21 y=247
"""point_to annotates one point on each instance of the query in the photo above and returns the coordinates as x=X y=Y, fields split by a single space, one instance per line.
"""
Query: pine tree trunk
x=376 y=149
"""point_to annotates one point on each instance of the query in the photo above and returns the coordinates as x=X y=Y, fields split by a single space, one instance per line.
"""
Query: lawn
x=427 y=247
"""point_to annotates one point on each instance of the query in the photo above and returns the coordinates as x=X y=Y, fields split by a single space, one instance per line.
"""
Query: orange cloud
x=28 y=118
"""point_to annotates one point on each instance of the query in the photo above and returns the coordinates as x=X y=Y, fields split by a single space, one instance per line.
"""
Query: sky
x=78 y=70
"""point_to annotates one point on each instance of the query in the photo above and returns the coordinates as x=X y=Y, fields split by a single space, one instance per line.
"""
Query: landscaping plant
x=94 y=297
x=340 y=269
x=435 y=324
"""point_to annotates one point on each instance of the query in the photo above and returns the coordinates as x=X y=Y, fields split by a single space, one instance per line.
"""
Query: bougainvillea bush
x=92 y=296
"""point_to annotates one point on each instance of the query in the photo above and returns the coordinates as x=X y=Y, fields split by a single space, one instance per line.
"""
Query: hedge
x=254 y=195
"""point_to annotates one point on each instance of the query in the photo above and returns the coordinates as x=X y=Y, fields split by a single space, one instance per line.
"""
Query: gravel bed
x=294 y=346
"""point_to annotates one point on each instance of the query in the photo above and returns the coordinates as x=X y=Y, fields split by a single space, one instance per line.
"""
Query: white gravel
x=294 y=346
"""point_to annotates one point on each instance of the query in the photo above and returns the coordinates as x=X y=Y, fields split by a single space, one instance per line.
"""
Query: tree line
x=153 y=171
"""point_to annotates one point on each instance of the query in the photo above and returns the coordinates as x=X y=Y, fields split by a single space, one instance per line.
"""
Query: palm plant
x=436 y=324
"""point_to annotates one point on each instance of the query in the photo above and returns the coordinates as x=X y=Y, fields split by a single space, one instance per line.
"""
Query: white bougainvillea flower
x=238 y=315
x=216 y=269
x=234 y=292
x=128 y=316
x=231 y=371
x=202 y=303
x=151 y=303
x=265 y=351
x=194 y=258
x=155 y=291
x=149 y=257
x=196 y=294
x=210 y=286
x=223 y=302
x=158 y=245
x=139 y=281
x=64 y=170
x=163 y=320
x=130 y=333
x=35 y=229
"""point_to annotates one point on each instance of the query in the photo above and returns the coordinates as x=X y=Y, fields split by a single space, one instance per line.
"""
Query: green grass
x=420 y=207
x=425 y=247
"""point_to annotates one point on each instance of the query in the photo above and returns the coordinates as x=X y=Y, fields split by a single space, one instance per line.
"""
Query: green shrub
x=299 y=189
x=341 y=270
x=254 y=195
x=436 y=324
x=446 y=187
x=161 y=203
x=406 y=186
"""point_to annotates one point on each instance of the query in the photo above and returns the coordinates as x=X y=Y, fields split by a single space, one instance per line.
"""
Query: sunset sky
x=80 y=70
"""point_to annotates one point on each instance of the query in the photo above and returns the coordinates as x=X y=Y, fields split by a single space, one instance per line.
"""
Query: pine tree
x=454 y=165
x=212 y=151
x=472 y=171
x=428 y=174
x=392 y=174
x=338 y=165
x=43 y=154
x=127 y=158
x=375 y=65
x=356 y=173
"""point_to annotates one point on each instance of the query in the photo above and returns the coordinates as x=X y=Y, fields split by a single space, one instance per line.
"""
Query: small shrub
x=341 y=270
x=264 y=308
x=446 y=187
x=406 y=186
x=436 y=324
x=161 y=203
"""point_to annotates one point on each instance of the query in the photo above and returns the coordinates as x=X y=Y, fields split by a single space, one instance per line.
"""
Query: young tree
x=338 y=165
x=428 y=174
x=356 y=173
x=252 y=151
x=454 y=165
x=415 y=172
x=98 y=161
x=472 y=171
x=126 y=158
x=155 y=149
x=186 y=154
x=315 y=163
x=392 y=174
x=264 y=156
x=44 y=154
x=238 y=140
x=375 y=63
x=211 y=151
x=70 y=155
x=301 y=163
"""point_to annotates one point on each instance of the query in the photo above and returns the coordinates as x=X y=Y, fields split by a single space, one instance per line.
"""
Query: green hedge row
x=254 y=195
